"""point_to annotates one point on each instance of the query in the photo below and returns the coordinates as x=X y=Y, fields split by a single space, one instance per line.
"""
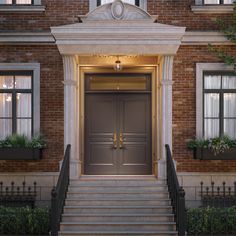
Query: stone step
x=79 y=195
x=118 y=233
x=118 y=189
x=114 y=209
x=117 y=201
x=114 y=182
x=72 y=217
x=113 y=226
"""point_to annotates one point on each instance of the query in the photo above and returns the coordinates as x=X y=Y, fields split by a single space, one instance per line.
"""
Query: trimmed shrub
x=24 y=220
x=210 y=220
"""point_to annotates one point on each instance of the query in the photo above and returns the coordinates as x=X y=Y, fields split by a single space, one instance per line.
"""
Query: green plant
x=17 y=140
x=217 y=145
x=230 y=33
x=210 y=220
x=24 y=220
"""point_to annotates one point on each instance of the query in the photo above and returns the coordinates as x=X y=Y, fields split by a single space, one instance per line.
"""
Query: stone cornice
x=118 y=37
x=23 y=9
x=26 y=37
x=37 y=38
x=212 y=9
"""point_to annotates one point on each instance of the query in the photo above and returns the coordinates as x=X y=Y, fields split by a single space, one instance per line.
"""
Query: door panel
x=100 y=125
x=127 y=115
x=135 y=129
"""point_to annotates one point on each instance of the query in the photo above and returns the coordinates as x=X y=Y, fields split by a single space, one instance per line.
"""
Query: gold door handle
x=121 y=141
x=114 y=139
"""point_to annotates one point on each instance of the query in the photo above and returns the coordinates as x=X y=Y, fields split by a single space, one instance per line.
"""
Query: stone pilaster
x=71 y=128
x=166 y=68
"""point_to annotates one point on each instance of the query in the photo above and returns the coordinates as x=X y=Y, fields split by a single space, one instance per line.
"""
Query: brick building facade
x=34 y=33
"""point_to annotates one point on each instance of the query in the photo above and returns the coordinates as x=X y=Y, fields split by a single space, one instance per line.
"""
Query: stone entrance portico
x=92 y=45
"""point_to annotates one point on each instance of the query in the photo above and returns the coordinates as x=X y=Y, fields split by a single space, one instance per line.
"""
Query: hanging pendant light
x=117 y=66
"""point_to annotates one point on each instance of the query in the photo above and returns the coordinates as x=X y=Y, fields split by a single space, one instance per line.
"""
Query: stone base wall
x=45 y=182
x=191 y=184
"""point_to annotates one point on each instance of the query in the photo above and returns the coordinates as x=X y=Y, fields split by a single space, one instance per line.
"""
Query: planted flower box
x=20 y=153
x=208 y=154
x=19 y=147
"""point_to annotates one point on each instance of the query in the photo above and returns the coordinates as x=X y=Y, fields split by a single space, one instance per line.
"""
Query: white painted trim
x=212 y=9
x=200 y=69
x=35 y=67
x=93 y=4
x=18 y=8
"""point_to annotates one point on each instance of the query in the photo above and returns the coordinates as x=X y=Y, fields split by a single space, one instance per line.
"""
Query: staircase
x=117 y=206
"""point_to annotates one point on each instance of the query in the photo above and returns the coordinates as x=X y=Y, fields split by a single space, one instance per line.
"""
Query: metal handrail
x=58 y=194
x=177 y=194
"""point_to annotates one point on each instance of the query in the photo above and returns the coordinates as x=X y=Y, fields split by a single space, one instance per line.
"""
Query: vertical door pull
x=114 y=139
x=121 y=141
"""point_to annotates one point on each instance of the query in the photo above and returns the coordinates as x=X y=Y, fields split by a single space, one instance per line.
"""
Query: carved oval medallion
x=117 y=9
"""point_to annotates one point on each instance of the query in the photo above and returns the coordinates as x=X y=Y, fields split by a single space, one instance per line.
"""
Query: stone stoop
x=112 y=206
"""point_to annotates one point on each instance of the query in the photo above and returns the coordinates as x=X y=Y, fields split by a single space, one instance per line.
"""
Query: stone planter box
x=20 y=153
x=207 y=154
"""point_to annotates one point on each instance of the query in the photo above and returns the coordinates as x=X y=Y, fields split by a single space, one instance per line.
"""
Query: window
x=134 y=2
x=21 y=6
x=16 y=103
x=95 y=3
x=19 y=99
x=215 y=100
x=212 y=2
x=219 y=102
x=17 y=2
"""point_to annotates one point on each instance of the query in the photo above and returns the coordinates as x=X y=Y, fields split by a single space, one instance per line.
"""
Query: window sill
x=31 y=8
x=219 y=9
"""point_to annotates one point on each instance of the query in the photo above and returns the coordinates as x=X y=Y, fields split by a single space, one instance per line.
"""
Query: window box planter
x=21 y=153
x=207 y=154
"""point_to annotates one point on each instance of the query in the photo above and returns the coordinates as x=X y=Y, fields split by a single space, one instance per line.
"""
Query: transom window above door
x=16 y=103
x=219 y=104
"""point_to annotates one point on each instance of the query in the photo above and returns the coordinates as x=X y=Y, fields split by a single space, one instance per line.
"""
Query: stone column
x=71 y=112
x=166 y=67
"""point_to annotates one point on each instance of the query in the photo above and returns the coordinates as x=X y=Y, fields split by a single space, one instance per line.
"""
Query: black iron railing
x=18 y=195
x=177 y=194
x=218 y=196
x=59 y=193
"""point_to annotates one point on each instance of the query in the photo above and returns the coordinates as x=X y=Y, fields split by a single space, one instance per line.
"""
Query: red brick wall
x=51 y=103
x=184 y=108
x=60 y=12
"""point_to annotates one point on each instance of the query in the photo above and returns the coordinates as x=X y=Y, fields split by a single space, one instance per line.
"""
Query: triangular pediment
x=118 y=28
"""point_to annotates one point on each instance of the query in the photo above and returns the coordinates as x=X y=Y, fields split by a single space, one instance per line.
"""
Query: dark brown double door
x=118 y=134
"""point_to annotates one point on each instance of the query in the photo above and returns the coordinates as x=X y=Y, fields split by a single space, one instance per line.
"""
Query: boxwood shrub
x=24 y=220
x=211 y=221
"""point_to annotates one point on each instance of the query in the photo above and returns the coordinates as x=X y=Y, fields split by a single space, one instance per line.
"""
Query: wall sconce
x=117 y=66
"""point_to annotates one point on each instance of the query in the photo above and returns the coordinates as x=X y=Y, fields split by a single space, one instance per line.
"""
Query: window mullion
x=14 y=120
x=221 y=113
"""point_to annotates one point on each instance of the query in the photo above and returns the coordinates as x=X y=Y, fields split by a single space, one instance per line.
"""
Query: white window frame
x=35 y=7
x=93 y=4
x=200 y=69
x=201 y=8
x=35 y=68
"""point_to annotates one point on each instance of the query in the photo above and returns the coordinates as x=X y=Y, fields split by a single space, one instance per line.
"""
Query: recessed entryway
x=118 y=124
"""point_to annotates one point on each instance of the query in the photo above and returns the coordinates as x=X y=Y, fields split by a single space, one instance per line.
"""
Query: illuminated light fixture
x=117 y=66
